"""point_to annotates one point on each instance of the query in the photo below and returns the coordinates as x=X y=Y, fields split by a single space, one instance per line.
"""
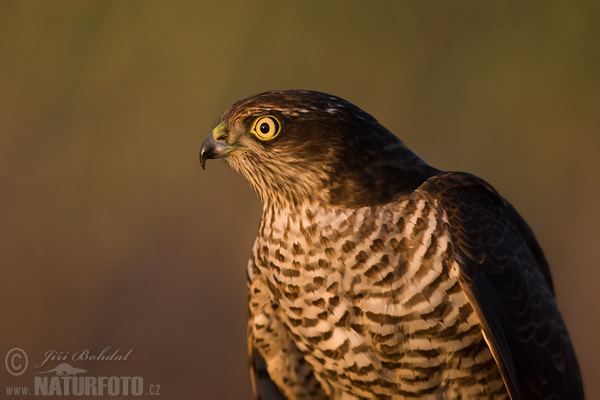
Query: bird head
x=303 y=146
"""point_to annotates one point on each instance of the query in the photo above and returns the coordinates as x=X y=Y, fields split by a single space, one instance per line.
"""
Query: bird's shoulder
x=481 y=220
x=447 y=182
x=507 y=279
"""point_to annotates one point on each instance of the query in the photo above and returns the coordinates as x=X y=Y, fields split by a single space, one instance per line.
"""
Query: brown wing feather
x=506 y=277
x=263 y=387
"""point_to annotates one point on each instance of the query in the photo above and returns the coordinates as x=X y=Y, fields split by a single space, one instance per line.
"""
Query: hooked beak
x=212 y=148
x=215 y=145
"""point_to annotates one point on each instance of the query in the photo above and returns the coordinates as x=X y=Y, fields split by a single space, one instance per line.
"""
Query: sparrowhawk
x=376 y=275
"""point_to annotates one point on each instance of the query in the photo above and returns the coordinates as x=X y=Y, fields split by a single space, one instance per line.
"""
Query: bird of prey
x=376 y=275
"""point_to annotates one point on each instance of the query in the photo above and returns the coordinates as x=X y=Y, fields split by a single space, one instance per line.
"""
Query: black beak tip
x=203 y=160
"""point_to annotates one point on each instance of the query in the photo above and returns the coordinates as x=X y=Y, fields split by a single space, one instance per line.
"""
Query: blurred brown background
x=111 y=234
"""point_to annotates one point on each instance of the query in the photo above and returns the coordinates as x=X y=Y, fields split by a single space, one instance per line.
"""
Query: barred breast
x=363 y=303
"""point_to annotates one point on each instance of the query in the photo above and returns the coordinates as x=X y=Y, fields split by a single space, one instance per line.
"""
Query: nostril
x=221 y=137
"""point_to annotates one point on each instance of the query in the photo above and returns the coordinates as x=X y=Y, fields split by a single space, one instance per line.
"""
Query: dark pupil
x=264 y=127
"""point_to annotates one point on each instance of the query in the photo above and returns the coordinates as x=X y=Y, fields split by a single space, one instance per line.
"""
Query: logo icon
x=16 y=361
x=64 y=369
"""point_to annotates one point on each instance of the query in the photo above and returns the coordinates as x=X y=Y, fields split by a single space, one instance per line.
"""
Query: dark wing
x=263 y=387
x=507 y=279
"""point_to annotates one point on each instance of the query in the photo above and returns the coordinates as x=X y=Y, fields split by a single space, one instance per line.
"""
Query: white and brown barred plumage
x=375 y=275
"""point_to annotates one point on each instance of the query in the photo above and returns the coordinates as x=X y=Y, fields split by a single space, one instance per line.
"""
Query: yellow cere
x=219 y=131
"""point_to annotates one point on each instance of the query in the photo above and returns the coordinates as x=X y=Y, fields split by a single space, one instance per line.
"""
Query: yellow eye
x=266 y=127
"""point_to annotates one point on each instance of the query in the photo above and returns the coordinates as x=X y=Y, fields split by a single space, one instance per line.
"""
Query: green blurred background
x=112 y=235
